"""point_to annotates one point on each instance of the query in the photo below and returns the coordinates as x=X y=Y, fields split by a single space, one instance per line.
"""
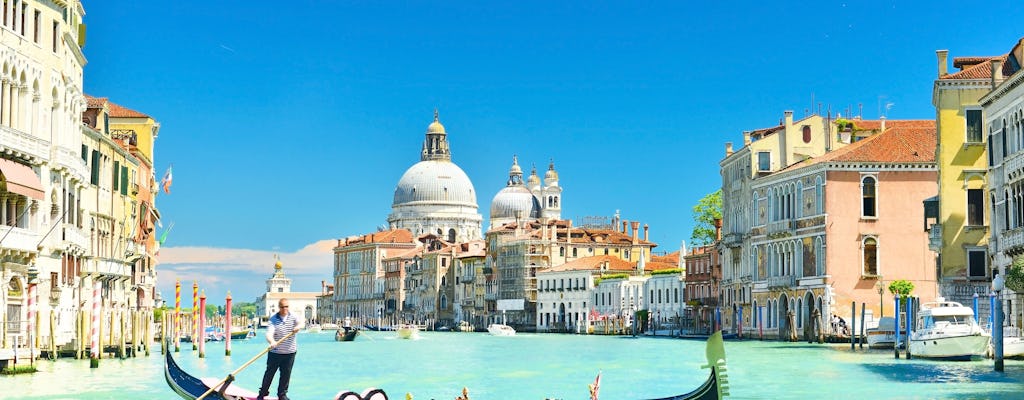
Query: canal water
x=538 y=366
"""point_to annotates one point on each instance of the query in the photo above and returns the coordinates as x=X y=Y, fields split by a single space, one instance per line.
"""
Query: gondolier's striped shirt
x=278 y=328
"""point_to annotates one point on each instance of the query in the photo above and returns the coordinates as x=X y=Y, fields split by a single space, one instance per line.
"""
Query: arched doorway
x=808 y=316
x=309 y=313
x=561 y=315
x=783 y=311
x=15 y=297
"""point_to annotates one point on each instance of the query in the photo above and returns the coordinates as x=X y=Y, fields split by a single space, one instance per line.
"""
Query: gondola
x=346 y=335
x=190 y=387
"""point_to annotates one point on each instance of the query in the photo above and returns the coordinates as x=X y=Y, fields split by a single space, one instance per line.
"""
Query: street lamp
x=997 y=322
x=881 y=302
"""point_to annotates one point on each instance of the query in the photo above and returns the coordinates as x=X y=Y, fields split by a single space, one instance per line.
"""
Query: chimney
x=728 y=149
x=624 y=224
x=568 y=231
x=997 y=72
x=943 y=63
x=636 y=228
x=882 y=118
x=789 y=118
x=645 y=232
x=323 y=287
x=718 y=229
x=746 y=138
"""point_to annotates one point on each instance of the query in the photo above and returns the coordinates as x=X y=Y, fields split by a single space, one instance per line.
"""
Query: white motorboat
x=501 y=330
x=313 y=328
x=947 y=330
x=328 y=327
x=408 y=331
x=884 y=335
x=1013 y=343
x=465 y=327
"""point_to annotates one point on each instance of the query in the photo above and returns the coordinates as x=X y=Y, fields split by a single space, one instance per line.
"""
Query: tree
x=211 y=310
x=901 y=288
x=1015 y=275
x=707 y=210
x=243 y=309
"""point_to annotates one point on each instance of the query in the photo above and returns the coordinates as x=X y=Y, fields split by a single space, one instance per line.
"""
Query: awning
x=21 y=179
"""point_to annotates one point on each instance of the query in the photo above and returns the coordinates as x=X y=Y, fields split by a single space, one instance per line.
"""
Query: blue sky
x=289 y=123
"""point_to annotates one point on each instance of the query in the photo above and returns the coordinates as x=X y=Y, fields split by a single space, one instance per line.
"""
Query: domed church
x=519 y=202
x=435 y=196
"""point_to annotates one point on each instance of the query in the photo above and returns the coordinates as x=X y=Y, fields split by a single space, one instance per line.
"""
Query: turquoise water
x=531 y=366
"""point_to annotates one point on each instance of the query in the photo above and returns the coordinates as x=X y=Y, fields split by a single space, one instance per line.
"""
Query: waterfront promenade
x=537 y=366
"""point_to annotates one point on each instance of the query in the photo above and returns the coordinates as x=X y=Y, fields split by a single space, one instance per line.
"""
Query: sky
x=288 y=124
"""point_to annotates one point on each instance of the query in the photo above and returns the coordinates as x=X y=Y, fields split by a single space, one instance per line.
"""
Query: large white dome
x=513 y=202
x=435 y=182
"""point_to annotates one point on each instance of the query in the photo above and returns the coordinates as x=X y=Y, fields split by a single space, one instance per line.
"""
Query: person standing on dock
x=282 y=355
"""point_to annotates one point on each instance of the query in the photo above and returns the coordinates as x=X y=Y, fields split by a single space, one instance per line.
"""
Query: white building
x=435 y=196
x=279 y=286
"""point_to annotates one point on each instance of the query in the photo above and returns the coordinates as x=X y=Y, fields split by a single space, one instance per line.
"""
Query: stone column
x=15 y=107
x=5 y=103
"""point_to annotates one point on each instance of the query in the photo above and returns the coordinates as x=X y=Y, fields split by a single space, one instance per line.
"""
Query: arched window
x=868 y=201
x=444 y=302
x=819 y=256
x=819 y=195
x=451 y=236
x=870 y=256
x=561 y=251
x=807 y=133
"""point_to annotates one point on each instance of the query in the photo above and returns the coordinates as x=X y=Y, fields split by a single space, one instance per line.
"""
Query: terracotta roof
x=671 y=258
x=580 y=235
x=390 y=236
x=593 y=263
x=906 y=142
x=659 y=265
x=476 y=248
x=759 y=133
x=982 y=70
x=402 y=253
x=961 y=62
x=94 y=102
x=119 y=111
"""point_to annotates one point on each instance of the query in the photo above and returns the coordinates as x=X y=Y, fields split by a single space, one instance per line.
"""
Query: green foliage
x=901 y=287
x=597 y=281
x=243 y=308
x=20 y=369
x=1015 y=275
x=212 y=310
x=158 y=314
x=844 y=124
x=669 y=271
x=707 y=210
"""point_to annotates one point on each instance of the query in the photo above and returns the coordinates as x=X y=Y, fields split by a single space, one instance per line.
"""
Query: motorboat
x=947 y=330
x=465 y=326
x=329 y=327
x=242 y=335
x=1013 y=343
x=884 y=335
x=313 y=328
x=501 y=330
x=408 y=331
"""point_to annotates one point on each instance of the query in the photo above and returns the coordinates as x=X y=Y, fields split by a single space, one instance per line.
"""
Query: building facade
x=279 y=286
x=359 y=273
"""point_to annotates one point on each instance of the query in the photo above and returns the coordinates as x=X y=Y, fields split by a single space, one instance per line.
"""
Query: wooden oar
x=231 y=376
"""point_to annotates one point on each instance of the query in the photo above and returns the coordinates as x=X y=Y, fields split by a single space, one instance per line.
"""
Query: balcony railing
x=732 y=239
x=74 y=235
x=935 y=237
x=106 y=267
x=72 y=161
x=1012 y=239
x=785 y=225
x=20 y=142
x=781 y=281
x=19 y=239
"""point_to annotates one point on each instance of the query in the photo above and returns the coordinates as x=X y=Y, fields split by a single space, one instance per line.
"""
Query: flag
x=166 y=181
x=595 y=387
x=163 y=238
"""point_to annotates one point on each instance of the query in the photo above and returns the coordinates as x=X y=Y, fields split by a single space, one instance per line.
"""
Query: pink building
x=837 y=228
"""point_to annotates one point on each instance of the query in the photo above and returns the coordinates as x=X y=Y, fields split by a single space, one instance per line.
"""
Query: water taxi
x=947 y=330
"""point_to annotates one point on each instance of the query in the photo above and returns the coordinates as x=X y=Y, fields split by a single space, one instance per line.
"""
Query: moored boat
x=947 y=330
x=884 y=335
x=313 y=328
x=465 y=326
x=408 y=331
x=241 y=335
x=501 y=330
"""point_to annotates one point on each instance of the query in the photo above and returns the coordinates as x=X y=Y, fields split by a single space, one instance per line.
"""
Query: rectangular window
x=56 y=35
x=764 y=161
x=124 y=180
x=973 y=125
x=117 y=170
x=95 y=178
x=24 y=9
x=975 y=207
x=85 y=153
x=35 y=27
x=976 y=263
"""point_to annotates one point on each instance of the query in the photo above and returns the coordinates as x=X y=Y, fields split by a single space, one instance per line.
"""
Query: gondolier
x=281 y=356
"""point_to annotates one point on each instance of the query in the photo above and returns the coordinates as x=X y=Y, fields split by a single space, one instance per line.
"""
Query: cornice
x=1004 y=88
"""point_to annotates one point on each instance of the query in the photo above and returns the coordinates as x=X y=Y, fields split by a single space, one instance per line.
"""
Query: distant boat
x=501 y=330
x=408 y=331
x=947 y=330
x=465 y=326
x=346 y=335
x=242 y=335
x=313 y=328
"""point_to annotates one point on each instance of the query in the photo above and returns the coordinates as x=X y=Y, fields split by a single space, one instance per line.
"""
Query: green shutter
x=117 y=169
x=85 y=153
x=95 y=168
x=124 y=180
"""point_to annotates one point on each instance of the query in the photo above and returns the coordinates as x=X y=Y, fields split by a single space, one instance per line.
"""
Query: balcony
x=20 y=239
x=935 y=237
x=22 y=144
x=1012 y=241
x=732 y=239
x=75 y=236
x=108 y=267
x=787 y=281
x=71 y=161
x=783 y=226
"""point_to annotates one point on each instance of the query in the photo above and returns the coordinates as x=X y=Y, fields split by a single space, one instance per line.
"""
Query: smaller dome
x=551 y=175
x=435 y=127
x=514 y=202
x=277 y=265
x=515 y=170
x=533 y=180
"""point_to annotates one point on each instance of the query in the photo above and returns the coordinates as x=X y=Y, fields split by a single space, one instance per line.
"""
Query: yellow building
x=959 y=228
